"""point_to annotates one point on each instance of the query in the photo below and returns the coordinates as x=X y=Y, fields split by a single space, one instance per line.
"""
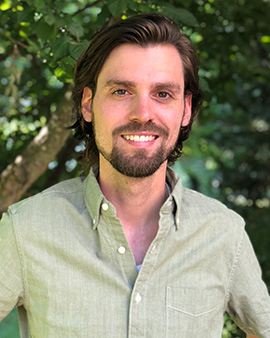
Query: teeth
x=137 y=138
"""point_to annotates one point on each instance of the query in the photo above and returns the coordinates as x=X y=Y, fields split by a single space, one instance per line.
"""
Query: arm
x=249 y=301
x=11 y=285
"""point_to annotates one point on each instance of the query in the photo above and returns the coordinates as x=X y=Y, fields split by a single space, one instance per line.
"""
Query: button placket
x=138 y=298
x=153 y=248
x=121 y=250
x=105 y=206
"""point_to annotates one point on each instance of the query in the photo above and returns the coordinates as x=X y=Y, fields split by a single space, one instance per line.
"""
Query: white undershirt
x=139 y=267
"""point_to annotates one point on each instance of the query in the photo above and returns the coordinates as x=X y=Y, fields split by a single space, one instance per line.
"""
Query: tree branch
x=67 y=152
x=27 y=167
x=12 y=40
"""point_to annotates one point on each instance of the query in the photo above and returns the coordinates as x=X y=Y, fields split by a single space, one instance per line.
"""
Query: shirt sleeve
x=11 y=284
x=249 y=301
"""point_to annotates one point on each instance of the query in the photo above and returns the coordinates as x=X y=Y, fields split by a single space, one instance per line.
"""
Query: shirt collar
x=94 y=199
x=175 y=197
x=93 y=196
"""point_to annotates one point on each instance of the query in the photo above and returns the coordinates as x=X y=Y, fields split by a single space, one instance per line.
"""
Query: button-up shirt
x=67 y=265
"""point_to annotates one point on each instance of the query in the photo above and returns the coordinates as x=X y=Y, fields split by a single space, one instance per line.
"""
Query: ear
x=86 y=104
x=187 y=110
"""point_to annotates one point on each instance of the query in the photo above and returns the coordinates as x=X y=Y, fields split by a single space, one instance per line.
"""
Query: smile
x=138 y=138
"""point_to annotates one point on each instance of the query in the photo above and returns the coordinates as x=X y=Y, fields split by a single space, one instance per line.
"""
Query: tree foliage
x=227 y=155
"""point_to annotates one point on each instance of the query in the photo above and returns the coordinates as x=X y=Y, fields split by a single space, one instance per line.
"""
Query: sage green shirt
x=65 y=262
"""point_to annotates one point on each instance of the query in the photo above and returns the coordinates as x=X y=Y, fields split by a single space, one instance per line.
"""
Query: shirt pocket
x=191 y=313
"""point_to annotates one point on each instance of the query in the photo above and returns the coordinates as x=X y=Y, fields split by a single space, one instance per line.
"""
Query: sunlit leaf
x=7 y=4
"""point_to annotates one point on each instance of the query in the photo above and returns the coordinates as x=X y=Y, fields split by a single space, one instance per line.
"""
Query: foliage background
x=227 y=156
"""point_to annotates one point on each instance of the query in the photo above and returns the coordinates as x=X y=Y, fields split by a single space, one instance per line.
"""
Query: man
x=127 y=251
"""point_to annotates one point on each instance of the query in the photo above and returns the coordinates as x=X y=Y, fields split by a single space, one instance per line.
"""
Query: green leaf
x=265 y=39
x=68 y=61
x=76 y=49
x=103 y=16
x=141 y=7
x=179 y=15
x=26 y=15
x=117 y=6
x=40 y=5
x=44 y=31
x=59 y=72
x=5 y=5
x=64 y=20
x=60 y=5
x=64 y=72
x=186 y=17
x=60 y=47
x=76 y=29
x=32 y=46
x=187 y=3
x=4 y=19
x=29 y=2
x=50 y=19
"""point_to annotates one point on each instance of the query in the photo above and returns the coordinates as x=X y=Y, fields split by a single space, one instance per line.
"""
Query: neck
x=130 y=195
x=137 y=202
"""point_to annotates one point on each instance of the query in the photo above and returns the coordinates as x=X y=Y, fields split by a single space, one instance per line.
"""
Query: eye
x=163 y=95
x=120 y=92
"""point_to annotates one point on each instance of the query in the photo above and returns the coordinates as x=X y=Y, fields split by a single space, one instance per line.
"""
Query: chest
x=140 y=239
x=73 y=290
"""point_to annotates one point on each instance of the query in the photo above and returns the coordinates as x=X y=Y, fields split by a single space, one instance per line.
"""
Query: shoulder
x=197 y=200
x=69 y=191
x=210 y=211
x=202 y=211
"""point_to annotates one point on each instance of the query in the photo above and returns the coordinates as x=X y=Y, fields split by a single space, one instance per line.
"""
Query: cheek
x=174 y=124
x=106 y=112
x=175 y=134
x=103 y=131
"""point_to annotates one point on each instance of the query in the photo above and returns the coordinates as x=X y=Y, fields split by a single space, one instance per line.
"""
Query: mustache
x=139 y=127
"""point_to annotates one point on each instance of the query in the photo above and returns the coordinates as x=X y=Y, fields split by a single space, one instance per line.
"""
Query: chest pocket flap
x=189 y=311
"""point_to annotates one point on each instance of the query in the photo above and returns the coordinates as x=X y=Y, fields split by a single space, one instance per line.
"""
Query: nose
x=141 y=109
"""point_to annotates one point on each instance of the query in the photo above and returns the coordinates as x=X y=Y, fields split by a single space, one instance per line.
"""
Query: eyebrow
x=157 y=85
x=167 y=85
x=118 y=82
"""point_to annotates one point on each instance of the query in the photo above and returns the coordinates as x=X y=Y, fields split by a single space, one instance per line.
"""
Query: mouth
x=140 y=138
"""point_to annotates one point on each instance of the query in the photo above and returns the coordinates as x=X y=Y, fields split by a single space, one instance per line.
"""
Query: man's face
x=138 y=108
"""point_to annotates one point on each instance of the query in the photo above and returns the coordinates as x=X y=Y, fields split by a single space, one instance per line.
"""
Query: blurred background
x=227 y=155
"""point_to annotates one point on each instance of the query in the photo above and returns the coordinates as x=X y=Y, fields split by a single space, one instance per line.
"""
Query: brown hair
x=142 y=30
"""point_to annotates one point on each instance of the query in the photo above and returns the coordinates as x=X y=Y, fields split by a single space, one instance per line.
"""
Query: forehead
x=129 y=62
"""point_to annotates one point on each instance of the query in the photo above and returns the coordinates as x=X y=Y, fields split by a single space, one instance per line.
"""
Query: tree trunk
x=33 y=162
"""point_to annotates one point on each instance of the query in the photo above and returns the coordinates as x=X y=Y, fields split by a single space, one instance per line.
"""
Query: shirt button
x=105 y=206
x=94 y=221
x=121 y=250
x=153 y=248
x=138 y=298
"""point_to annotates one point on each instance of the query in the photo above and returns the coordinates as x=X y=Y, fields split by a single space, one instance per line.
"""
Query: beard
x=139 y=165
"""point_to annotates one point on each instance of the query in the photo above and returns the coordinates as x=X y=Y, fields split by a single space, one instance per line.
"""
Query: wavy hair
x=142 y=30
